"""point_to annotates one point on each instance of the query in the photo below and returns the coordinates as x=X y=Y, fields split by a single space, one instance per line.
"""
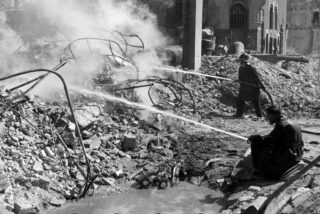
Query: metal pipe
x=39 y=79
x=287 y=184
x=44 y=76
x=24 y=84
x=133 y=87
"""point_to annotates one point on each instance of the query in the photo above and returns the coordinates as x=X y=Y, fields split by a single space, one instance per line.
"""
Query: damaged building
x=123 y=120
x=259 y=25
x=303 y=22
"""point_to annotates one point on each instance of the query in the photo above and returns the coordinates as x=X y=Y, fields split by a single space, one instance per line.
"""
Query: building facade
x=260 y=24
x=304 y=26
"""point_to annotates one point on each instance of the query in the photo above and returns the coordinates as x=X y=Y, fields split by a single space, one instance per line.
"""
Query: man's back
x=286 y=142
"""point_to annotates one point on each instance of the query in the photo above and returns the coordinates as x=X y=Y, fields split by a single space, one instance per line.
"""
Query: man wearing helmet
x=250 y=85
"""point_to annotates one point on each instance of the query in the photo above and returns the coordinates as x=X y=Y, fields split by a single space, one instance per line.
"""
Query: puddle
x=184 y=198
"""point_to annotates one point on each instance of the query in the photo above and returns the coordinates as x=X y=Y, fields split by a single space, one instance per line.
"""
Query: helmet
x=244 y=57
x=273 y=109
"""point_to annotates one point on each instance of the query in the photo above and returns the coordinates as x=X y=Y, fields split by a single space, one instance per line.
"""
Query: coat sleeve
x=292 y=137
x=240 y=73
x=256 y=76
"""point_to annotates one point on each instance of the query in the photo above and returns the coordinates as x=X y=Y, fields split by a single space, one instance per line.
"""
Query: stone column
x=316 y=40
x=192 y=34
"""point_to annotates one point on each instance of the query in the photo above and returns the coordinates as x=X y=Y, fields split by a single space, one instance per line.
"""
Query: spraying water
x=190 y=72
x=117 y=99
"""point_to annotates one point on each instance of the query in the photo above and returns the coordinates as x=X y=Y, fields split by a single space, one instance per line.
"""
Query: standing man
x=275 y=153
x=250 y=85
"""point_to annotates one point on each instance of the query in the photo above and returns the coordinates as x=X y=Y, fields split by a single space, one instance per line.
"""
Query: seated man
x=274 y=154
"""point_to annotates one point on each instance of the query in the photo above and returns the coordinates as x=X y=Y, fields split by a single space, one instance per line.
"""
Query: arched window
x=238 y=16
x=271 y=45
x=174 y=14
x=267 y=43
x=271 y=16
x=281 y=38
x=262 y=40
x=316 y=19
x=238 y=23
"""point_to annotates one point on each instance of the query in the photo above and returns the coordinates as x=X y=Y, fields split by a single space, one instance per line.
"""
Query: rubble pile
x=43 y=163
x=295 y=89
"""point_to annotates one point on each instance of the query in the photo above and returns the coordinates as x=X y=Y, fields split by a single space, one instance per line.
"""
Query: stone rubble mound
x=296 y=89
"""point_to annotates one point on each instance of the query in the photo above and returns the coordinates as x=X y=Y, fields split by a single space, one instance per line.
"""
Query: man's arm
x=293 y=137
x=260 y=84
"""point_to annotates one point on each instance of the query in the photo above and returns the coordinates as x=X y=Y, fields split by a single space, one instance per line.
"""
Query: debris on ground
x=45 y=162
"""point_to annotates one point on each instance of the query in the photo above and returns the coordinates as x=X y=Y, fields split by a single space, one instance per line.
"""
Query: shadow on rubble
x=230 y=191
x=232 y=188
x=208 y=199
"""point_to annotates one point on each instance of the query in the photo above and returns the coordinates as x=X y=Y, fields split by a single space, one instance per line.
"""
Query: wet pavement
x=183 y=198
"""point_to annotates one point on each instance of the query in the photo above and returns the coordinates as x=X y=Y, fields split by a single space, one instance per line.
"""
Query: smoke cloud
x=55 y=23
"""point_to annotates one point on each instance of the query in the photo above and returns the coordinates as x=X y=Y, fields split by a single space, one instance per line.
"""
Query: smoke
x=9 y=43
x=56 y=23
x=77 y=19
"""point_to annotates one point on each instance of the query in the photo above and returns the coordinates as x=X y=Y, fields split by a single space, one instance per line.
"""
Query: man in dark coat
x=275 y=153
x=250 y=85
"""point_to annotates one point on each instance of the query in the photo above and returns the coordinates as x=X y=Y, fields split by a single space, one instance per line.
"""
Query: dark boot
x=240 y=108
x=257 y=107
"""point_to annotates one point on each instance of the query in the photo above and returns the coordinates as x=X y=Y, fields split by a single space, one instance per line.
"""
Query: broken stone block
x=109 y=181
x=119 y=173
x=84 y=117
x=23 y=206
x=226 y=212
x=246 y=198
x=120 y=153
x=46 y=167
x=49 y=152
x=57 y=202
x=4 y=182
x=125 y=121
x=42 y=154
x=56 y=168
x=129 y=143
x=102 y=156
x=69 y=138
x=86 y=134
x=195 y=180
x=11 y=142
x=42 y=182
x=257 y=203
x=71 y=126
x=37 y=167
x=92 y=143
x=15 y=138
x=28 y=184
x=300 y=191
x=301 y=198
x=254 y=188
x=6 y=209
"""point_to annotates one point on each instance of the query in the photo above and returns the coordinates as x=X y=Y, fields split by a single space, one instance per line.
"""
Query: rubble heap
x=43 y=163
x=295 y=89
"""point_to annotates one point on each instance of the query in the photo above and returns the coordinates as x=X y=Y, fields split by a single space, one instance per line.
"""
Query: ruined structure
x=303 y=20
x=260 y=25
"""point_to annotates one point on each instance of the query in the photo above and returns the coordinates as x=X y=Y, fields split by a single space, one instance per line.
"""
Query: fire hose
x=216 y=77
